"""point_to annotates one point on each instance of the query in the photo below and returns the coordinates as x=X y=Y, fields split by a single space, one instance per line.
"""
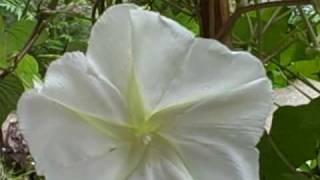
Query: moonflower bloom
x=148 y=101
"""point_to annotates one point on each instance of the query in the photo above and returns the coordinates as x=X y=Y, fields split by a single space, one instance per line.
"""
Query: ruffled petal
x=240 y=113
x=216 y=136
x=109 y=51
x=208 y=157
x=69 y=82
x=161 y=162
x=215 y=112
x=159 y=47
x=64 y=145
x=211 y=69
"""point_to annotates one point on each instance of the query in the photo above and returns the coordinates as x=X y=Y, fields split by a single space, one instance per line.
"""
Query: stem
x=259 y=29
x=278 y=50
x=241 y=10
x=40 y=26
x=251 y=28
x=310 y=29
x=280 y=154
x=271 y=20
x=283 y=157
x=94 y=11
x=300 y=77
x=25 y=10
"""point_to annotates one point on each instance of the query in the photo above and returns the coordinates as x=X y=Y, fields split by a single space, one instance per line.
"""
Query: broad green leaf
x=2 y=24
x=10 y=90
x=2 y=44
x=295 y=133
x=12 y=39
x=272 y=37
x=241 y=30
x=19 y=33
x=277 y=76
x=308 y=68
x=27 y=70
x=294 y=52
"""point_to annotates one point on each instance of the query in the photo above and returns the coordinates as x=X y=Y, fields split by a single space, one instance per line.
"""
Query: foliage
x=10 y=90
x=286 y=38
x=294 y=138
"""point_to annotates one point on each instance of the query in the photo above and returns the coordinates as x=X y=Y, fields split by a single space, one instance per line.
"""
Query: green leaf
x=77 y=46
x=2 y=44
x=19 y=33
x=295 y=133
x=272 y=37
x=294 y=52
x=277 y=76
x=308 y=68
x=13 y=38
x=27 y=70
x=188 y=22
x=242 y=30
x=10 y=91
x=2 y=24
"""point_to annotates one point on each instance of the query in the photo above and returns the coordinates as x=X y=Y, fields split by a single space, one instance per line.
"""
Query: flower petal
x=161 y=163
x=219 y=132
x=62 y=142
x=216 y=158
x=69 y=82
x=211 y=69
x=109 y=50
x=108 y=166
x=240 y=113
x=159 y=47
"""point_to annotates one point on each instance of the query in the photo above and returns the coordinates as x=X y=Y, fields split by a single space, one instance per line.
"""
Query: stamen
x=146 y=139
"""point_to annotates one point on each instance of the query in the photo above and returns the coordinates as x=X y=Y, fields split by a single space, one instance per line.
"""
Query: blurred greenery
x=285 y=38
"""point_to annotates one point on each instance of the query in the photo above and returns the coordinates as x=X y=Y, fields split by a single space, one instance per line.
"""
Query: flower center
x=145 y=133
x=146 y=139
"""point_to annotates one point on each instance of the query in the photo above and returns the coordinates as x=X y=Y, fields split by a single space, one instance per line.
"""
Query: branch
x=232 y=20
x=40 y=26
x=310 y=29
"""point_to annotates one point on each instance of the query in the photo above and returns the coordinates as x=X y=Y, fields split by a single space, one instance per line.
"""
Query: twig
x=25 y=10
x=271 y=20
x=259 y=30
x=298 y=76
x=311 y=32
x=284 y=158
x=276 y=51
x=251 y=28
x=94 y=11
x=241 y=10
x=175 y=5
x=40 y=26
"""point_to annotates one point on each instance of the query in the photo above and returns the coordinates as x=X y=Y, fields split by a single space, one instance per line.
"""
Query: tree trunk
x=213 y=15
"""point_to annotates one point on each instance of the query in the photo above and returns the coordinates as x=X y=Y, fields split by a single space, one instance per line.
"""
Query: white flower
x=147 y=102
